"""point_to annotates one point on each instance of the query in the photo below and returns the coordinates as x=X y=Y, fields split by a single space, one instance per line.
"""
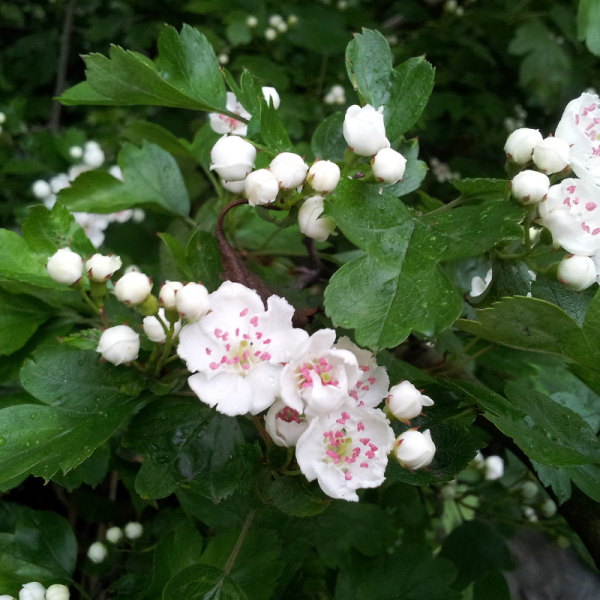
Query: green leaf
x=328 y=141
x=91 y=471
x=151 y=178
x=491 y=586
x=20 y=317
x=294 y=496
x=140 y=131
x=588 y=25
x=272 y=129
x=398 y=286
x=509 y=278
x=556 y=478
x=415 y=169
x=203 y=583
x=84 y=340
x=482 y=188
x=575 y=304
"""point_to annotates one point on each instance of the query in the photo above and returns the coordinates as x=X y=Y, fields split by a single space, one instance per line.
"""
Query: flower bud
x=530 y=187
x=58 y=592
x=2 y=118
x=275 y=20
x=65 y=266
x=448 y=492
x=114 y=535
x=251 y=21
x=414 y=449
x=406 y=402
x=552 y=155
x=6 y=597
x=76 y=151
x=154 y=330
x=41 y=189
x=364 y=130
x=521 y=143
x=284 y=424
x=494 y=467
x=134 y=530
x=193 y=301
x=97 y=552
x=167 y=293
x=132 y=269
x=261 y=187
x=119 y=344
x=292 y=20
x=116 y=172
x=577 y=272
x=282 y=28
x=289 y=169
x=388 y=165
x=324 y=176
x=235 y=187
x=223 y=59
x=311 y=225
x=233 y=158
x=270 y=93
x=101 y=268
x=59 y=182
x=93 y=156
x=133 y=288
x=548 y=508
x=32 y=591
x=529 y=490
x=270 y=33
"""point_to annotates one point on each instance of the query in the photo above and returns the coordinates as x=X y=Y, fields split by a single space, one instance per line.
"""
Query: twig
x=238 y=544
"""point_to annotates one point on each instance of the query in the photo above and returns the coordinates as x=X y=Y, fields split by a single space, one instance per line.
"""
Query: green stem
x=466 y=362
x=263 y=432
x=290 y=455
x=88 y=301
x=292 y=473
x=153 y=357
x=456 y=202
x=167 y=350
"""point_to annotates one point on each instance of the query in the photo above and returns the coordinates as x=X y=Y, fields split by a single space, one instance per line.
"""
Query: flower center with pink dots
x=311 y=370
x=587 y=211
x=289 y=415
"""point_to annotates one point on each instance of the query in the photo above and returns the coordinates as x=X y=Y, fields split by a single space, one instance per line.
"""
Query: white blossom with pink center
x=237 y=350
x=320 y=377
x=225 y=124
x=580 y=127
x=571 y=212
x=284 y=424
x=373 y=381
x=345 y=450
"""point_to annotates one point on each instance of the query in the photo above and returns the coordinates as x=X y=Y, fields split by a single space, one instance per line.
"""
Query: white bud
x=32 y=591
x=251 y=21
x=76 y=151
x=261 y=187
x=93 y=156
x=235 y=187
x=414 y=449
x=101 y=268
x=119 y=344
x=65 y=266
x=275 y=20
x=59 y=182
x=494 y=467
x=167 y=293
x=134 y=530
x=529 y=513
x=529 y=490
x=233 y=158
x=114 y=535
x=289 y=169
x=282 y=27
x=154 y=330
x=223 y=59
x=138 y=215
x=97 y=552
x=58 y=592
x=530 y=187
x=292 y=20
x=4 y=596
x=284 y=424
x=552 y=155
x=270 y=34
x=406 y=402
x=311 y=225
x=192 y=301
x=41 y=189
x=342 y=4
x=521 y=143
x=577 y=272
x=133 y=288
x=132 y=269
x=548 y=508
x=324 y=176
x=364 y=130
x=116 y=172
x=2 y=118
x=388 y=165
x=270 y=93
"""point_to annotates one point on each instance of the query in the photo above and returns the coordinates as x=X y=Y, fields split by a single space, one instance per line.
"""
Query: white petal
x=231 y=394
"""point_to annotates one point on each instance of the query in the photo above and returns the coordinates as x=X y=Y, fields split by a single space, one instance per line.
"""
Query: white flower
x=414 y=449
x=192 y=301
x=76 y=170
x=346 y=450
x=289 y=169
x=119 y=344
x=336 y=95
x=65 y=266
x=275 y=20
x=494 y=467
x=261 y=187
x=133 y=288
x=320 y=377
x=235 y=187
x=270 y=93
x=284 y=424
x=251 y=21
x=223 y=60
x=364 y=130
x=577 y=272
x=479 y=285
x=406 y=402
x=32 y=591
x=373 y=381
x=530 y=187
x=167 y=294
x=154 y=330
x=133 y=530
x=59 y=182
x=236 y=350
x=76 y=151
x=571 y=212
x=116 y=172
x=479 y=461
x=225 y=124
x=97 y=552
x=521 y=143
x=101 y=268
x=41 y=189
x=551 y=155
x=388 y=165
x=270 y=33
x=93 y=156
x=324 y=176
x=93 y=225
x=310 y=224
x=58 y=592
x=233 y=158
x=114 y=535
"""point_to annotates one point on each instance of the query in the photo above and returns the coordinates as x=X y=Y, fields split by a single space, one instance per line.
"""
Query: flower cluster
x=98 y=552
x=36 y=591
x=321 y=396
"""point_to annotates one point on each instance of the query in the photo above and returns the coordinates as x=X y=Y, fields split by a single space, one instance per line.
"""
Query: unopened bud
x=193 y=301
x=101 y=268
x=414 y=449
x=548 y=508
x=284 y=424
x=261 y=187
x=270 y=33
x=235 y=187
x=270 y=93
x=577 y=272
x=494 y=467
x=58 y=592
x=32 y=591
x=233 y=158
x=289 y=169
x=530 y=187
x=529 y=490
x=76 y=151
x=521 y=143
x=65 y=266
x=114 y=535
x=406 y=402
x=388 y=165
x=167 y=293
x=134 y=530
x=364 y=130
x=552 y=155
x=154 y=329
x=251 y=21
x=310 y=221
x=323 y=176
x=41 y=189
x=93 y=156
x=119 y=344
x=97 y=552
x=133 y=288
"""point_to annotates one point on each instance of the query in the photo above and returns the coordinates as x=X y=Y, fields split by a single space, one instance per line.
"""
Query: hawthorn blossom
x=284 y=424
x=346 y=449
x=225 y=124
x=320 y=377
x=236 y=351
